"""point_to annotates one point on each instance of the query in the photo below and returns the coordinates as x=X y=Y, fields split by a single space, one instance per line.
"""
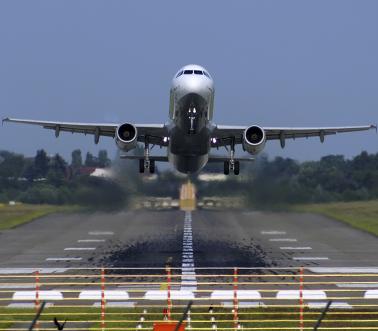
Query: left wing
x=224 y=133
x=155 y=132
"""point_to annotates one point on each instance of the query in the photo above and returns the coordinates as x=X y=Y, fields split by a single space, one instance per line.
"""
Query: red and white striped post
x=301 y=302
x=236 y=319
x=103 y=299
x=169 y=302
x=36 y=303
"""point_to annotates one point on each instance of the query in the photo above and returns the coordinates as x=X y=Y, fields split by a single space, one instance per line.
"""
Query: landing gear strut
x=232 y=165
x=146 y=163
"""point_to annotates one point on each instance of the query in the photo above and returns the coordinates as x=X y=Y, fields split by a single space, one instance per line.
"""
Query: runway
x=195 y=242
x=217 y=239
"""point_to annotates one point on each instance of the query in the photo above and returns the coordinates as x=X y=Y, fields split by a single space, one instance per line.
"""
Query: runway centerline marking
x=296 y=248
x=310 y=258
x=188 y=274
x=80 y=248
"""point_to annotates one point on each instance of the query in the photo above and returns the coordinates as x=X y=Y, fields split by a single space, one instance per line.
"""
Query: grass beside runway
x=129 y=318
x=362 y=215
x=12 y=216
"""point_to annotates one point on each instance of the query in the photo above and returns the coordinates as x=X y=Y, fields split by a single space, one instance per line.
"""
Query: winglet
x=5 y=119
x=374 y=127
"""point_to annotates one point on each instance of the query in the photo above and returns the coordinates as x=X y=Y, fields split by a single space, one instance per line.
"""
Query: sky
x=274 y=63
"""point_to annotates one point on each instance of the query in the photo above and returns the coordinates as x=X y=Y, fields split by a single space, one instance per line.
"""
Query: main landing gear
x=232 y=165
x=146 y=163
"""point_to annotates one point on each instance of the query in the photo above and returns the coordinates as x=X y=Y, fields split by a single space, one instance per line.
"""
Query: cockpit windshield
x=191 y=72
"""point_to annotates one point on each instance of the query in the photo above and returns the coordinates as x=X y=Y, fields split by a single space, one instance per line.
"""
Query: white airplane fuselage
x=190 y=112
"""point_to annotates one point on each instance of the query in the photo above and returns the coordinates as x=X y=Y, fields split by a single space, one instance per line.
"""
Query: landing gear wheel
x=141 y=166
x=236 y=168
x=226 y=170
x=152 y=166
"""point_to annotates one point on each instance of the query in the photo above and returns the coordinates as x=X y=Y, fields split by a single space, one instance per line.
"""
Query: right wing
x=155 y=132
x=224 y=133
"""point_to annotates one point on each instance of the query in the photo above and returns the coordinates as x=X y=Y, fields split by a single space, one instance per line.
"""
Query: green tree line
x=52 y=180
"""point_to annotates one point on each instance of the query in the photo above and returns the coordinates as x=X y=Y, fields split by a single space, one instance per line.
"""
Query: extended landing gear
x=233 y=166
x=143 y=166
x=146 y=163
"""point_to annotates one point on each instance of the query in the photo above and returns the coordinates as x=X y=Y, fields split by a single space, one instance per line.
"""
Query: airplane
x=190 y=133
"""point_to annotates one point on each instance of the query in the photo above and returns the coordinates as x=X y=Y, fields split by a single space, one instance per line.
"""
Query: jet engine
x=126 y=137
x=254 y=139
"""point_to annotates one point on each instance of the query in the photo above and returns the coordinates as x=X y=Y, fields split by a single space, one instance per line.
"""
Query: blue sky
x=275 y=63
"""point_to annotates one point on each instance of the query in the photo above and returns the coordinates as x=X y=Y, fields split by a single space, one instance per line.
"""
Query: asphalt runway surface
x=219 y=239
x=59 y=244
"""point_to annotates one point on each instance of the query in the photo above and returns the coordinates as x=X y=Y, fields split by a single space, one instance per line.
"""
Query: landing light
x=165 y=139
x=214 y=140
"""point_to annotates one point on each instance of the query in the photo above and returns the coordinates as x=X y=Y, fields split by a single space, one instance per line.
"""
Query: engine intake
x=254 y=139
x=126 y=136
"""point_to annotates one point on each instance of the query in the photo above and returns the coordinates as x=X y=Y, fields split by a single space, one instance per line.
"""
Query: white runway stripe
x=357 y=285
x=307 y=295
x=296 y=248
x=43 y=295
x=283 y=239
x=334 y=305
x=91 y=240
x=274 y=232
x=188 y=279
x=371 y=294
x=64 y=259
x=109 y=295
x=100 y=233
x=80 y=248
x=310 y=258
x=345 y=270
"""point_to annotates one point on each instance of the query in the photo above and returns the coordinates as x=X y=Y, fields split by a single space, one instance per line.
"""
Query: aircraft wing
x=156 y=132
x=224 y=133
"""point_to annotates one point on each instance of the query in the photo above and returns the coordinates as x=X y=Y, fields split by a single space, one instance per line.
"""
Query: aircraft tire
x=152 y=166
x=237 y=168
x=226 y=170
x=141 y=166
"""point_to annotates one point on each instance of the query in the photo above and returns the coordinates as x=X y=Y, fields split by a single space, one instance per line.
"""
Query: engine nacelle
x=254 y=139
x=126 y=137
